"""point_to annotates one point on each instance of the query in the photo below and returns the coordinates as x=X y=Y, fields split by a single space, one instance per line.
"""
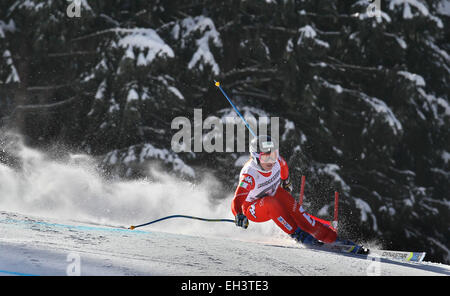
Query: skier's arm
x=284 y=168
x=246 y=184
x=284 y=175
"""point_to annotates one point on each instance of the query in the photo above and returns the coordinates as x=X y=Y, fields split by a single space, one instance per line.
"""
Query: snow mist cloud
x=74 y=190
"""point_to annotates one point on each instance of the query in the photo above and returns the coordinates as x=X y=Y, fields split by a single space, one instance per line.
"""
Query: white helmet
x=263 y=149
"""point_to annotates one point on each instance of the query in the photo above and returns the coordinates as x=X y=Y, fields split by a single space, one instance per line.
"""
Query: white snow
x=439 y=51
x=101 y=90
x=288 y=126
x=390 y=210
x=434 y=104
x=366 y=210
x=444 y=7
x=164 y=79
x=401 y=42
x=322 y=43
x=41 y=246
x=433 y=210
x=323 y=212
x=176 y=92
x=85 y=5
x=129 y=53
x=445 y=156
x=13 y=76
x=132 y=95
x=417 y=4
x=129 y=157
x=141 y=61
x=113 y=105
x=266 y=48
x=437 y=20
x=445 y=174
x=28 y=4
x=144 y=40
x=145 y=95
x=101 y=65
x=63 y=218
x=289 y=45
x=416 y=78
x=176 y=31
x=246 y=111
x=407 y=11
x=337 y=88
x=112 y=157
x=149 y=152
x=203 y=55
x=414 y=8
x=303 y=139
x=332 y=170
x=380 y=107
x=88 y=77
x=337 y=151
x=308 y=32
x=39 y=5
x=10 y=27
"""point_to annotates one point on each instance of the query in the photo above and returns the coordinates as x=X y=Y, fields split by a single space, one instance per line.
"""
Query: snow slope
x=37 y=246
x=61 y=217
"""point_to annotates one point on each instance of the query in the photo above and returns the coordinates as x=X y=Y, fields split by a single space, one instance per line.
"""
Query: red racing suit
x=260 y=198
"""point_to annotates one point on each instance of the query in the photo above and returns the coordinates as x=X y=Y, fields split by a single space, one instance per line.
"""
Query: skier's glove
x=287 y=185
x=241 y=220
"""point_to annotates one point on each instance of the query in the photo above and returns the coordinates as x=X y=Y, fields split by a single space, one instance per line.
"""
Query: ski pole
x=234 y=107
x=336 y=205
x=302 y=189
x=299 y=202
x=181 y=216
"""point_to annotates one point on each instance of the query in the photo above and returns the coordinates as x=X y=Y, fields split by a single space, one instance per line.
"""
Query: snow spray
x=75 y=190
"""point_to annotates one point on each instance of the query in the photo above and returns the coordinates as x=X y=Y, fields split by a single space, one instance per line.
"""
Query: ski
x=361 y=251
x=340 y=248
x=400 y=255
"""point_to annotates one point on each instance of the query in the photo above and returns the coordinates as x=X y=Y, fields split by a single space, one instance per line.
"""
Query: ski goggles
x=270 y=157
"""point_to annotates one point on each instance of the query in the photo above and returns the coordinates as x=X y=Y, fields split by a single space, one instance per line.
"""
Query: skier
x=264 y=193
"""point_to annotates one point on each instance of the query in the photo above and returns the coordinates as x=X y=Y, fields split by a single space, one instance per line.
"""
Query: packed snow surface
x=62 y=217
x=36 y=246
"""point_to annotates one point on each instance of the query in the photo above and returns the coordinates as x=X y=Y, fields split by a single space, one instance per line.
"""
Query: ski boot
x=305 y=238
x=358 y=249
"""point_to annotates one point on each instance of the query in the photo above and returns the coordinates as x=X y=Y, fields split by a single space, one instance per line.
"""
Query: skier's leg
x=269 y=207
x=315 y=228
x=320 y=231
